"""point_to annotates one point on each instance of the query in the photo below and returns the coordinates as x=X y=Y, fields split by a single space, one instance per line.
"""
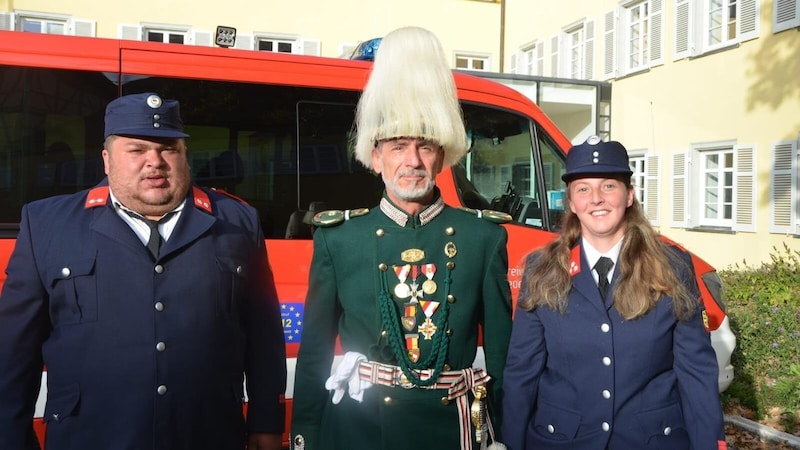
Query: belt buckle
x=404 y=382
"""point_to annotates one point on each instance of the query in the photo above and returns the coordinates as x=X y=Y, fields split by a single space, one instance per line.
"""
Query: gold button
x=449 y=332
x=404 y=379
x=449 y=231
x=383 y=333
x=446 y=368
x=451 y=265
x=387 y=400
x=379 y=232
x=445 y=401
x=451 y=298
x=382 y=267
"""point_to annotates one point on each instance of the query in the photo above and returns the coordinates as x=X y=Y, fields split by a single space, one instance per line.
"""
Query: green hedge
x=764 y=310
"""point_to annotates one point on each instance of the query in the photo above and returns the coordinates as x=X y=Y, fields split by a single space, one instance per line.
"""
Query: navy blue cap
x=144 y=115
x=595 y=157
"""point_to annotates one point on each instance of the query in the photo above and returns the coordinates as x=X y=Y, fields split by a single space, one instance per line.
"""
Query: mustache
x=413 y=173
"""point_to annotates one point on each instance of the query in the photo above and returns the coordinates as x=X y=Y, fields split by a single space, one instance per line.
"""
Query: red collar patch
x=575 y=261
x=97 y=197
x=201 y=199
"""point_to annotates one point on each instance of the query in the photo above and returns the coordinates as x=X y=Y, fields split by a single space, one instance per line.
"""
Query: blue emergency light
x=366 y=50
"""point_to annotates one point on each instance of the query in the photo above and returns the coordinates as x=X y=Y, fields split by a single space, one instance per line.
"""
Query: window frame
x=687 y=173
x=471 y=58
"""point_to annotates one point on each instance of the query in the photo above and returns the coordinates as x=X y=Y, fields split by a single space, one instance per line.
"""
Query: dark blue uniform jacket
x=590 y=380
x=139 y=354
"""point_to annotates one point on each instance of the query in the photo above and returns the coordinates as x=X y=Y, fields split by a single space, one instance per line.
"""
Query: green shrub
x=764 y=311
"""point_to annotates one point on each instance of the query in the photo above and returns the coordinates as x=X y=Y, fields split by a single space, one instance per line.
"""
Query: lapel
x=194 y=221
x=583 y=280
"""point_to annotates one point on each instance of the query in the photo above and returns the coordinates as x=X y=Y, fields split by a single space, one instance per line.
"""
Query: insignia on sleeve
x=334 y=217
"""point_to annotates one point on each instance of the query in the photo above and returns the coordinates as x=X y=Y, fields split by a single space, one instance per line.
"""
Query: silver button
x=604 y=327
x=56 y=417
x=161 y=390
x=65 y=272
x=551 y=429
x=606 y=361
x=159 y=268
x=606 y=394
x=606 y=426
x=161 y=346
x=239 y=270
x=667 y=431
x=159 y=306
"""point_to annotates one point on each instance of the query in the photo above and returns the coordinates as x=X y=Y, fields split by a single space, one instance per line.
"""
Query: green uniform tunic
x=355 y=272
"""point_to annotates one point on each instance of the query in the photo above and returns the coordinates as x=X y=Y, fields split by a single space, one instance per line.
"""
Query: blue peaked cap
x=144 y=115
x=596 y=158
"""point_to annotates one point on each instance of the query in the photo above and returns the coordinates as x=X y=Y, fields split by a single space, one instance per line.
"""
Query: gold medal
x=429 y=287
x=402 y=290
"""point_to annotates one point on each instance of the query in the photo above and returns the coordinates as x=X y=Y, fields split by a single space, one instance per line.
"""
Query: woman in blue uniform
x=609 y=348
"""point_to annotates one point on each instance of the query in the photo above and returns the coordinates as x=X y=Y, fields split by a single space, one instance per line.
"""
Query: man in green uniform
x=404 y=286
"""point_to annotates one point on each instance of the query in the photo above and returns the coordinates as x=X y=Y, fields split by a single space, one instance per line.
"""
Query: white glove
x=345 y=376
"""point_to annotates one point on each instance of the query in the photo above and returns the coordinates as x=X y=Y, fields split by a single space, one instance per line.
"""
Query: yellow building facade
x=705 y=93
x=706 y=98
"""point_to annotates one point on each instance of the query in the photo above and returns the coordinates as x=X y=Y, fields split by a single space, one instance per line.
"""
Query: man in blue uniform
x=405 y=286
x=148 y=300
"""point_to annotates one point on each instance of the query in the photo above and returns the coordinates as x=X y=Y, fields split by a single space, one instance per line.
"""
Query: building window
x=724 y=175
x=472 y=62
x=638 y=36
x=531 y=59
x=645 y=181
x=41 y=25
x=633 y=38
x=276 y=45
x=716 y=184
x=702 y=26
x=165 y=36
x=638 y=177
x=721 y=22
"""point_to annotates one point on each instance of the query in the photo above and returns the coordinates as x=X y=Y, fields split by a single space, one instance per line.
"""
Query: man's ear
x=377 y=165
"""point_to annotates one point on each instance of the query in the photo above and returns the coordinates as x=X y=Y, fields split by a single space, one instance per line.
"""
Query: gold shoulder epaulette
x=490 y=215
x=333 y=217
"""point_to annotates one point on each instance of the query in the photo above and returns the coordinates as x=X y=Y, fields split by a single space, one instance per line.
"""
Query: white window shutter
x=346 y=50
x=132 y=32
x=747 y=25
x=513 y=62
x=786 y=15
x=80 y=27
x=782 y=188
x=539 y=59
x=609 y=45
x=652 y=186
x=201 y=38
x=555 y=44
x=7 y=21
x=656 y=33
x=744 y=188
x=683 y=30
x=588 y=50
x=243 y=41
x=311 y=47
x=680 y=189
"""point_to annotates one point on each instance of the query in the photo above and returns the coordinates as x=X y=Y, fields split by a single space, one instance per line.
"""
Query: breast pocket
x=73 y=297
x=233 y=283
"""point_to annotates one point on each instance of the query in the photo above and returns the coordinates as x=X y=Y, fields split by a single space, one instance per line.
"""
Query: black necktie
x=155 y=241
x=602 y=267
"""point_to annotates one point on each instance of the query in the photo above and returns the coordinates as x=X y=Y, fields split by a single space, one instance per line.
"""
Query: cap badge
x=154 y=101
